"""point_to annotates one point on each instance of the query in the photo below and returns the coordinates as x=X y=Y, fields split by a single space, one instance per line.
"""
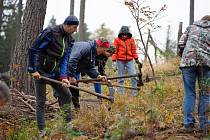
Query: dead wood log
x=27 y=104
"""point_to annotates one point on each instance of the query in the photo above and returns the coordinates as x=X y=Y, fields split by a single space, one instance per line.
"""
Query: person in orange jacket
x=125 y=53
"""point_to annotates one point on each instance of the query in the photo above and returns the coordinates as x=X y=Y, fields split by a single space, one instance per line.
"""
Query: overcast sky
x=115 y=14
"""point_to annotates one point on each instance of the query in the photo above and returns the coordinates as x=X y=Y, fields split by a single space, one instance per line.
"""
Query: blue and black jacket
x=50 y=52
x=82 y=59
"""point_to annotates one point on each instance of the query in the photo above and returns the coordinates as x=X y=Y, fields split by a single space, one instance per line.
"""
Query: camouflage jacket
x=194 y=45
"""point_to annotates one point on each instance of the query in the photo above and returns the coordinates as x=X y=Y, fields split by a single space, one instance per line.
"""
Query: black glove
x=137 y=61
x=83 y=74
x=139 y=64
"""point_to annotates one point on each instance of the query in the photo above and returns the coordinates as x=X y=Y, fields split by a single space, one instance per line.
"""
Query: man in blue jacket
x=48 y=56
x=82 y=60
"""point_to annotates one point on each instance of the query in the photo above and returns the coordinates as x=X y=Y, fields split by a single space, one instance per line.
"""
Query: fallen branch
x=5 y=121
x=26 y=103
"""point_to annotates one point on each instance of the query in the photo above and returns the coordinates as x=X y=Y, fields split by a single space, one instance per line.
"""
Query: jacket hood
x=92 y=43
x=202 y=23
x=124 y=30
x=59 y=30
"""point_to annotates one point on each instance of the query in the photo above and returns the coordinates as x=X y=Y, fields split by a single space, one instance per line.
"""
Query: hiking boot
x=188 y=129
x=42 y=134
x=204 y=130
x=75 y=112
x=68 y=126
x=76 y=104
x=111 y=97
x=99 y=99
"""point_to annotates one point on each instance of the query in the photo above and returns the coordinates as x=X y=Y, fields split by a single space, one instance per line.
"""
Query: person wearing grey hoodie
x=194 y=50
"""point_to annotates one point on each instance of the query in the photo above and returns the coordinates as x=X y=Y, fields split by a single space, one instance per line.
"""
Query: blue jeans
x=122 y=66
x=97 y=87
x=190 y=75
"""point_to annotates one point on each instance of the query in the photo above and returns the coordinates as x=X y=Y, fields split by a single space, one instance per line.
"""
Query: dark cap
x=71 y=20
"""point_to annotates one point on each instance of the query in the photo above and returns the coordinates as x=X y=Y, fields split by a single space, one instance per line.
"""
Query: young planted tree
x=33 y=20
x=145 y=18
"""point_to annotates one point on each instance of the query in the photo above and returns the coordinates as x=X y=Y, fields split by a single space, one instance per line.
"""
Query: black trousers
x=75 y=97
x=64 y=100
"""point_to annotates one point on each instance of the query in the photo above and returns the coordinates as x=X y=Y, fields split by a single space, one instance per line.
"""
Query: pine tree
x=33 y=20
x=8 y=26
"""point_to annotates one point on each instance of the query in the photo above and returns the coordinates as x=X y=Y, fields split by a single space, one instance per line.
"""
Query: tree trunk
x=18 y=22
x=82 y=18
x=71 y=7
x=168 y=42
x=1 y=12
x=179 y=34
x=33 y=20
x=191 y=12
x=20 y=13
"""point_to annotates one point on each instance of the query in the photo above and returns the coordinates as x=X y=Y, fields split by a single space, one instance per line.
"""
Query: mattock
x=78 y=88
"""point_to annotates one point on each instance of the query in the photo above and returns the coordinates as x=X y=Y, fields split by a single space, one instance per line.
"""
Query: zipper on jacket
x=54 y=66
x=64 y=46
x=44 y=62
x=126 y=51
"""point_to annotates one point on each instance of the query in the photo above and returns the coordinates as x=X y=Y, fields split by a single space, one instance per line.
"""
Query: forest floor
x=155 y=114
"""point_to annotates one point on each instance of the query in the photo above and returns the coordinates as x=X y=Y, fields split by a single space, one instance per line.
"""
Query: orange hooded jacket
x=125 y=50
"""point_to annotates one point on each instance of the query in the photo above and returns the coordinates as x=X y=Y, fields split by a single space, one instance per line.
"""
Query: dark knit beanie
x=71 y=20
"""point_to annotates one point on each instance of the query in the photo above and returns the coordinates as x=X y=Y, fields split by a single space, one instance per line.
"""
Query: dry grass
x=156 y=113
x=155 y=108
x=169 y=67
